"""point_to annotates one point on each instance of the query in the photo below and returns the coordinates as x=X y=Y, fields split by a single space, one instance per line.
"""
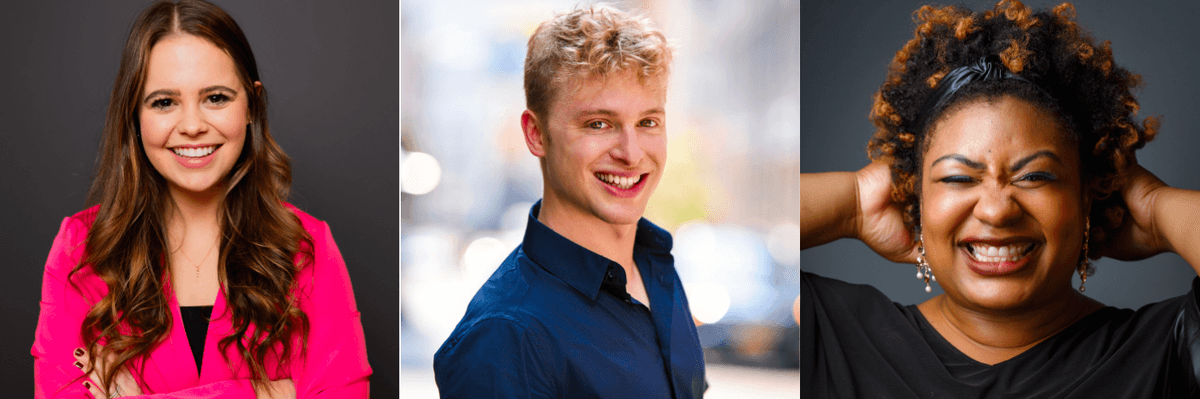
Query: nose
x=997 y=207
x=627 y=148
x=192 y=121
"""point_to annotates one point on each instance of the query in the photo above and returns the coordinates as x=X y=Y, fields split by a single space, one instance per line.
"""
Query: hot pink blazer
x=335 y=365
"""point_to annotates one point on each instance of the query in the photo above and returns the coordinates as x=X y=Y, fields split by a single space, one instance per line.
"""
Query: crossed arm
x=335 y=365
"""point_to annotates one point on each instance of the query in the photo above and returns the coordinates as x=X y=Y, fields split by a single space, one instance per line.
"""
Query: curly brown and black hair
x=1065 y=72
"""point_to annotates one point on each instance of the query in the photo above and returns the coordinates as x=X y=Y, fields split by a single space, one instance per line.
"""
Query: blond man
x=589 y=305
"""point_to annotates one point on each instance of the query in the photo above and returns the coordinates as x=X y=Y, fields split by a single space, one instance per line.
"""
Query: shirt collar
x=579 y=267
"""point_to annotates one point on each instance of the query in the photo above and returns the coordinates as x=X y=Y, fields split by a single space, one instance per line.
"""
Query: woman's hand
x=1138 y=237
x=123 y=382
x=880 y=222
x=276 y=389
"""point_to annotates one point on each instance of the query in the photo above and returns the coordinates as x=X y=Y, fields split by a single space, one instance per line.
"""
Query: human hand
x=276 y=389
x=880 y=222
x=123 y=382
x=1138 y=236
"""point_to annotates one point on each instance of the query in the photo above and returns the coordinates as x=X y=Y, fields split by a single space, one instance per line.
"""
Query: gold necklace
x=194 y=264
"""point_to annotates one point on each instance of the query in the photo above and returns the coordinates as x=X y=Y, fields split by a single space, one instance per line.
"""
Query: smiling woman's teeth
x=623 y=183
x=194 y=152
x=1009 y=253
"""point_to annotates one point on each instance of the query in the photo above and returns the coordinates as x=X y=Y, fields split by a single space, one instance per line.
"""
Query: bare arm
x=1177 y=216
x=1160 y=219
x=855 y=205
x=828 y=207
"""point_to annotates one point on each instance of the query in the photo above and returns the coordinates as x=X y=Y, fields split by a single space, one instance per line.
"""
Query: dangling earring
x=923 y=270
x=1085 y=263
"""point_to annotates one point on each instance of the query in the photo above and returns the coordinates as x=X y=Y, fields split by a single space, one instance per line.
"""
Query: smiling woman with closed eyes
x=189 y=276
x=1003 y=162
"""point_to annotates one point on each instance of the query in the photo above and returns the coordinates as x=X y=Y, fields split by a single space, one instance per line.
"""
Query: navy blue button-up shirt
x=555 y=321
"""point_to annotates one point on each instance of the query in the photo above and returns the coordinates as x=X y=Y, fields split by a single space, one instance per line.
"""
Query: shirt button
x=610 y=274
x=662 y=279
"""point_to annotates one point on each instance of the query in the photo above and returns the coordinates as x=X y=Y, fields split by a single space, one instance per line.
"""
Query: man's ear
x=535 y=138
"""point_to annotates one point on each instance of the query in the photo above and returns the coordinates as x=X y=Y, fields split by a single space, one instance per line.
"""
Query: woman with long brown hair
x=188 y=254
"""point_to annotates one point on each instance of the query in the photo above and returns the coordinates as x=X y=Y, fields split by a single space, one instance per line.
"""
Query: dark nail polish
x=78 y=352
x=87 y=385
x=79 y=365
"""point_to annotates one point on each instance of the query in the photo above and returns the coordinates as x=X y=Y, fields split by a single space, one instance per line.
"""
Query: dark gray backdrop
x=846 y=46
x=331 y=73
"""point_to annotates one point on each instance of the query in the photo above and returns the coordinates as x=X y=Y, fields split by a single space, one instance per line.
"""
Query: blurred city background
x=729 y=194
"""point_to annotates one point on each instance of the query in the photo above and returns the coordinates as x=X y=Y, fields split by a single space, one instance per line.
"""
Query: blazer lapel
x=220 y=325
x=170 y=366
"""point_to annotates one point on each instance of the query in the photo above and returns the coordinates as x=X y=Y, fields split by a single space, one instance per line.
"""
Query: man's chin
x=618 y=214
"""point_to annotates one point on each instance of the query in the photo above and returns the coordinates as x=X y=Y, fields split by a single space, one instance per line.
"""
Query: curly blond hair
x=597 y=41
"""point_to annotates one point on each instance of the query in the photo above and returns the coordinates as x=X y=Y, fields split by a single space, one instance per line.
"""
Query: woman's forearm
x=828 y=207
x=1177 y=214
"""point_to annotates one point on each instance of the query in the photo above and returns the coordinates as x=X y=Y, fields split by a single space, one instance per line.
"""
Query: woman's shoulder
x=69 y=244
x=310 y=223
x=839 y=299
x=324 y=282
x=85 y=217
x=74 y=228
x=824 y=286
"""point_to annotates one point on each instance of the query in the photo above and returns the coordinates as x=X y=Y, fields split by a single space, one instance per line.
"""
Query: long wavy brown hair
x=262 y=243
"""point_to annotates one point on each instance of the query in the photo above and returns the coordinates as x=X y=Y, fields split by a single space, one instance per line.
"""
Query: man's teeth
x=620 y=182
x=1008 y=253
x=194 y=152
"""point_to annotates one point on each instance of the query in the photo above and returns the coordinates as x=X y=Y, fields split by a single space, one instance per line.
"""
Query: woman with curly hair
x=1003 y=162
x=189 y=276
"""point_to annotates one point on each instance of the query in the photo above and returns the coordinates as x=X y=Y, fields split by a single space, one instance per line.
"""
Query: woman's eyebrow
x=213 y=88
x=1040 y=154
x=959 y=158
x=1015 y=166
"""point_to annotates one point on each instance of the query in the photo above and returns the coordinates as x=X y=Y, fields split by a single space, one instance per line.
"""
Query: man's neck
x=612 y=241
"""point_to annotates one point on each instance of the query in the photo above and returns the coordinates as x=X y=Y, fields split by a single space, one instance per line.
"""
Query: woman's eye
x=956 y=179
x=648 y=123
x=597 y=125
x=217 y=98
x=1038 y=177
x=162 y=103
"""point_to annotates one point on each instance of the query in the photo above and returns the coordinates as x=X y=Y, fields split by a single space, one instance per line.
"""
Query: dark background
x=846 y=47
x=331 y=73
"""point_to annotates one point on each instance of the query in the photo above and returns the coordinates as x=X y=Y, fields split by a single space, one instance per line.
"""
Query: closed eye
x=956 y=179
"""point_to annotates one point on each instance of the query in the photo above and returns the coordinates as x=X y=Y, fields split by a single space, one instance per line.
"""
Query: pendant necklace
x=194 y=264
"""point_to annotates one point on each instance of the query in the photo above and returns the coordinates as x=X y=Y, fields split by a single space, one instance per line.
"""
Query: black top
x=855 y=343
x=195 y=321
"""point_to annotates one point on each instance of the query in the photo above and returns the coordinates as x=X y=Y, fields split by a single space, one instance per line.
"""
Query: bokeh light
x=709 y=301
x=419 y=173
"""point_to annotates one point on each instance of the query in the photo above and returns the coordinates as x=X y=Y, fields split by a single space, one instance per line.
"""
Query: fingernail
x=79 y=365
x=78 y=351
x=87 y=385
